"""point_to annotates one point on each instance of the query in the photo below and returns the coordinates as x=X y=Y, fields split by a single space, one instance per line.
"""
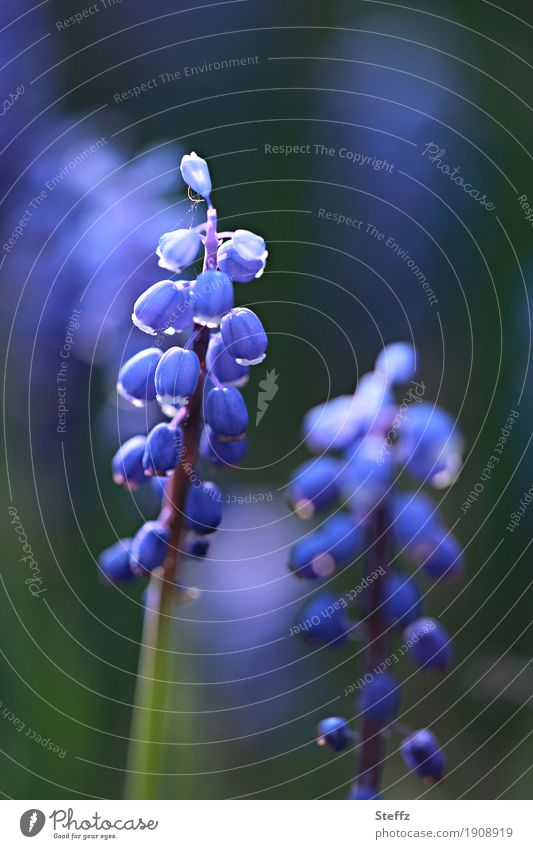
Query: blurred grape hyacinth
x=366 y=443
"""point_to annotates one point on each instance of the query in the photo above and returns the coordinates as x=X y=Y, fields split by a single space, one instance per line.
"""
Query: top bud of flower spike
x=244 y=336
x=178 y=249
x=195 y=173
x=243 y=257
x=159 y=306
x=397 y=362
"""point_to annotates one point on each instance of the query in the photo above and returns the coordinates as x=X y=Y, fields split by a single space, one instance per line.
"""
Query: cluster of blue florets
x=172 y=376
x=366 y=443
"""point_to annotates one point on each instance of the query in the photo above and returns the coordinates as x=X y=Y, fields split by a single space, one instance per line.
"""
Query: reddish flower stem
x=370 y=751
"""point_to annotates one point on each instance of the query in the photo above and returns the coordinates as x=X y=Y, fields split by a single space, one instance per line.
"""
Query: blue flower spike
x=195 y=173
x=127 y=463
x=203 y=508
x=176 y=376
x=222 y=365
x=244 y=336
x=136 y=377
x=376 y=438
x=243 y=257
x=334 y=732
x=177 y=249
x=428 y=644
x=162 y=449
x=225 y=412
x=114 y=562
x=212 y=297
x=149 y=547
x=158 y=307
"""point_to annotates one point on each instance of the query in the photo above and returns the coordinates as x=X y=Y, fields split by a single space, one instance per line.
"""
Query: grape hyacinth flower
x=364 y=449
x=422 y=754
x=155 y=310
x=244 y=336
x=334 y=732
x=136 y=377
x=195 y=386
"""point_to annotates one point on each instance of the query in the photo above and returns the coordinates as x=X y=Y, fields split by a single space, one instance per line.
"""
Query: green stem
x=155 y=677
x=151 y=692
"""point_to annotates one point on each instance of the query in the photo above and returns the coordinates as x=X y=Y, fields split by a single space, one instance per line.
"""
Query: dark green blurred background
x=376 y=78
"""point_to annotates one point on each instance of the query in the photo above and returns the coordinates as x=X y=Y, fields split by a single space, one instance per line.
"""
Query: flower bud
x=203 y=508
x=127 y=463
x=422 y=754
x=162 y=449
x=222 y=364
x=149 y=547
x=178 y=249
x=212 y=297
x=321 y=627
x=225 y=411
x=156 y=309
x=176 y=376
x=222 y=453
x=314 y=485
x=429 y=645
x=244 y=336
x=380 y=698
x=243 y=257
x=334 y=732
x=115 y=562
x=136 y=377
x=182 y=318
x=430 y=445
x=402 y=600
x=195 y=173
